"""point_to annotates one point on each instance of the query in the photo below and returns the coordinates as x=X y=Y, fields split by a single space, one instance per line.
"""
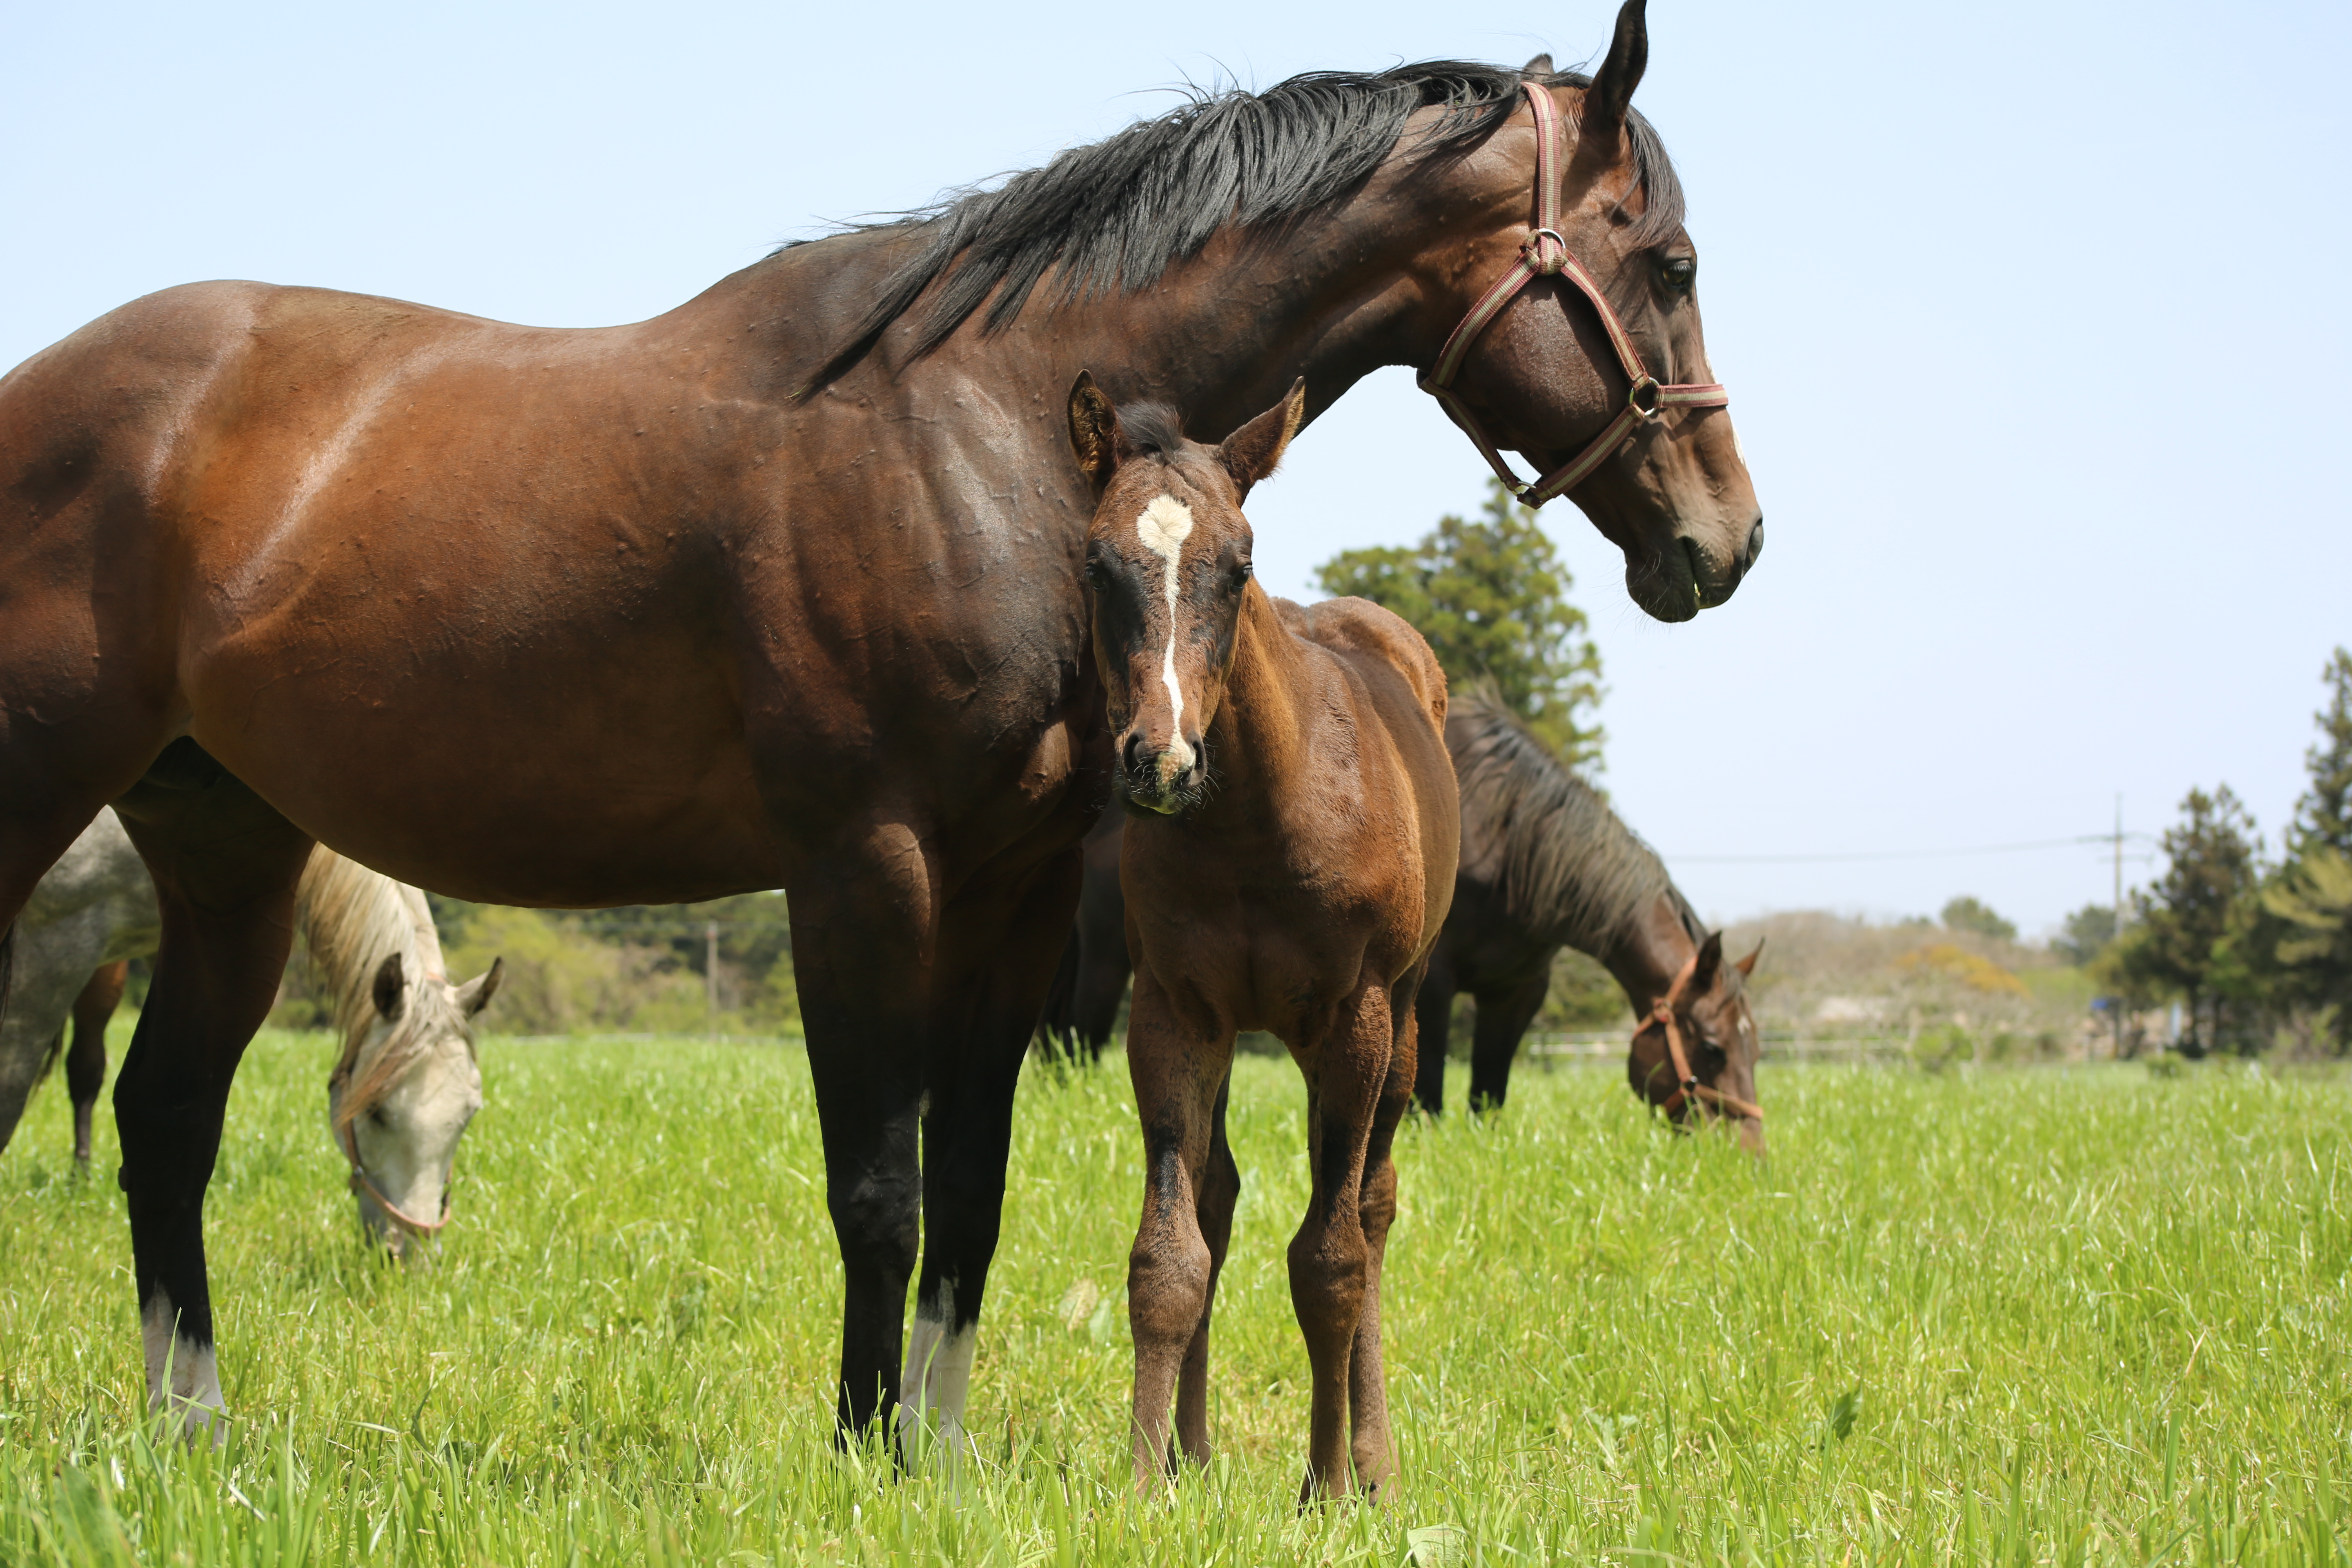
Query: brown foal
x=1289 y=866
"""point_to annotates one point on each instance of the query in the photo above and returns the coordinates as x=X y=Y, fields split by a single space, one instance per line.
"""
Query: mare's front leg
x=1371 y=1444
x=226 y=865
x=1348 y=1077
x=864 y=919
x=1220 y=1185
x=86 y=1063
x=1179 y=1065
x=998 y=946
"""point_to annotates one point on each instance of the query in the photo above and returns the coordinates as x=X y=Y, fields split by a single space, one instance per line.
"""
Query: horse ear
x=1709 y=964
x=1539 y=66
x=1601 y=128
x=476 y=994
x=1094 y=430
x=1251 y=452
x=1747 y=965
x=391 y=987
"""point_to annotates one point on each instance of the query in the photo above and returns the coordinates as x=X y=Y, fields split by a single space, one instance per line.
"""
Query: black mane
x=1115 y=215
x=1567 y=865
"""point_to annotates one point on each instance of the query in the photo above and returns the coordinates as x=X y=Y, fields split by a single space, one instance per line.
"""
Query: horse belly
x=553 y=739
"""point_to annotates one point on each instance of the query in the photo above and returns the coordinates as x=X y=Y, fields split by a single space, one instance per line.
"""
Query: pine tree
x=1491 y=596
x=2212 y=866
x=2324 y=815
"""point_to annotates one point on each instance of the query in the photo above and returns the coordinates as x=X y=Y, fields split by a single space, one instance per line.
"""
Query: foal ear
x=1747 y=965
x=391 y=987
x=1539 y=66
x=1251 y=452
x=1094 y=430
x=1709 y=964
x=476 y=994
x=1600 y=127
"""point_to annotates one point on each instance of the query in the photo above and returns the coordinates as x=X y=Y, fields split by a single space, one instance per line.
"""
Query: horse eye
x=1094 y=574
x=1679 y=272
x=1240 y=574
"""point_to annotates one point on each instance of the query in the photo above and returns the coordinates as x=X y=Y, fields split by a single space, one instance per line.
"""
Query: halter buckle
x=1540 y=261
x=1646 y=388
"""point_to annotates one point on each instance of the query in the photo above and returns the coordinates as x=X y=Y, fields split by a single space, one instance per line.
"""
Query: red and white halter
x=1544 y=255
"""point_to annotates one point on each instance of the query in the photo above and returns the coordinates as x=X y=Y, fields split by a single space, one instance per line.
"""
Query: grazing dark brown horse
x=778 y=589
x=1286 y=869
x=1547 y=865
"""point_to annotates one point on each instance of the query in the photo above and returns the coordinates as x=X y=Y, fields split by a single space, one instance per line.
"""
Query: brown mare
x=777 y=590
x=1287 y=868
x=1545 y=865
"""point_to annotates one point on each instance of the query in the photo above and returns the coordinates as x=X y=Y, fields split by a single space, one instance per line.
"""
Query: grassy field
x=2035 y=1316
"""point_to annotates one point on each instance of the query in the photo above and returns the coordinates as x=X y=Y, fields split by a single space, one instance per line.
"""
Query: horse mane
x=1115 y=215
x=1568 y=865
x=353 y=918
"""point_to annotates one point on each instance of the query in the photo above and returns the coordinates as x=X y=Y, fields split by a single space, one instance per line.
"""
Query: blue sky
x=2032 y=317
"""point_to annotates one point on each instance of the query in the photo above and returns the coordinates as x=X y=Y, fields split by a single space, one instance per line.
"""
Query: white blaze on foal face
x=1162 y=529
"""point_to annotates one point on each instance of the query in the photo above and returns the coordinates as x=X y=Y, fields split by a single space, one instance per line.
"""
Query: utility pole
x=2115 y=1003
x=710 y=976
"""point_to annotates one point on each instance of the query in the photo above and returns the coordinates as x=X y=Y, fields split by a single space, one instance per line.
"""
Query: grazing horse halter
x=392 y=1210
x=1687 y=1084
x=1544 y=254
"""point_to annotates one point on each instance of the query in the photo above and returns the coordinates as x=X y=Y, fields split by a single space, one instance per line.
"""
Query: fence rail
x=1777 y=1047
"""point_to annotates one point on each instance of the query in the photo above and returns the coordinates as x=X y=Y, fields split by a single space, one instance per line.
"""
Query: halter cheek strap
x=1546 y=255
x=392 y=1210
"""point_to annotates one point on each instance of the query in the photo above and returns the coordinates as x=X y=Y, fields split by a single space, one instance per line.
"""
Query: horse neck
x=352 y=918
x=1258 y=739
x=1649 y=951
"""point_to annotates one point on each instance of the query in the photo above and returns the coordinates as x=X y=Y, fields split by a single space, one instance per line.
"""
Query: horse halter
x=392 y=1210
x=1544 y=255
x=1688 y=1086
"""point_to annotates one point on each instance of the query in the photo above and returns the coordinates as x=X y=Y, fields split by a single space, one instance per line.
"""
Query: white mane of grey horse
x=408 y=1078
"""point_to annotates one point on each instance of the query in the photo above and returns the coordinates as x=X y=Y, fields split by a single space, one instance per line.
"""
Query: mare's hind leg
x=225 y=865
x=1220 y=1185
x=1504 y=1015
x=86 y=1063
x=998 y=943
x=1371 y=1444
x=1348 y=1079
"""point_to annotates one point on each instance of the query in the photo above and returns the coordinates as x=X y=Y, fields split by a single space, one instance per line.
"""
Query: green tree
x=2324 y=815
x=1971 y=914
x=2085 y=935
x=1491 y=596
x=2212 y=866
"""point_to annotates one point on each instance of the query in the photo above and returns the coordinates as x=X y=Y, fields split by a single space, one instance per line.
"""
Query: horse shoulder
x=1366 y=630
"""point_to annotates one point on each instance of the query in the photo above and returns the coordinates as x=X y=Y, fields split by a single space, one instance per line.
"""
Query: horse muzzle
x=1164 y=779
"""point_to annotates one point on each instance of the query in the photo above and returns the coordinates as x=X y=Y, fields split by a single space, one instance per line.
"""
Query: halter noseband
x=1544 y=255
x=1688 y=1086
x=392 y=1210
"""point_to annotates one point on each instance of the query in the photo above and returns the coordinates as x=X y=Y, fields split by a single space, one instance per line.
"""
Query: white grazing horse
x=408 y=1078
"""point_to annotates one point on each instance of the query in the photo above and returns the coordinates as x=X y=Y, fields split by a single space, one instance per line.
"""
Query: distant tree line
x=2251 y=948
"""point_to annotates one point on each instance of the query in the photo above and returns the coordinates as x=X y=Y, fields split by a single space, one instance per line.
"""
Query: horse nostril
x=1755 y=541
x=1133 y=755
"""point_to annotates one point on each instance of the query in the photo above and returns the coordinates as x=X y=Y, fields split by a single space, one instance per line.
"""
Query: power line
x=1861 y=855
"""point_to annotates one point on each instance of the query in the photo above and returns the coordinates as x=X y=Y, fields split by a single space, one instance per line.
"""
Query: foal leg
x=1371 y=1444
x=1504 y=1015
x=225 y=865
x=1178 y=1067
x=1330 y=1264
x=1221 y=1184
x=998 y=946
x=86 y=1063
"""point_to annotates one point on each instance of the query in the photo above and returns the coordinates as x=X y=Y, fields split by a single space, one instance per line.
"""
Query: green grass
x=2039 y=1316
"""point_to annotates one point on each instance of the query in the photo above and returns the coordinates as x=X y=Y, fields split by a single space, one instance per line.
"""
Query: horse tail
x=1057 y=1024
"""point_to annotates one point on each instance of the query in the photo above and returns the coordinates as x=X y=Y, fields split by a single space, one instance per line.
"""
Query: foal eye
x=1239 y=574
x=1679 y=272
